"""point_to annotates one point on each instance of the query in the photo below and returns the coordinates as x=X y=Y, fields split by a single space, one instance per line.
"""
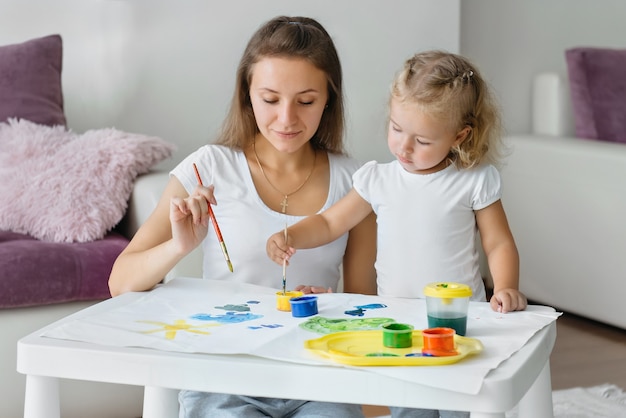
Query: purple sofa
x=35 y=272
x=63 y=195
x=42 y=281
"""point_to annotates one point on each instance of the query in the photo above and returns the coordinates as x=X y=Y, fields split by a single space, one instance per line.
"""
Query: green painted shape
x=323 y=325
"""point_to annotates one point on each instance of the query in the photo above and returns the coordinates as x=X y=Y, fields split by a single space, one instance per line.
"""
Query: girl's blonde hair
x=448 y=87
x=288 y=37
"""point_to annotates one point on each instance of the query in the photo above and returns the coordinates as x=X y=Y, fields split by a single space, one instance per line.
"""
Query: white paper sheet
x=205 y=316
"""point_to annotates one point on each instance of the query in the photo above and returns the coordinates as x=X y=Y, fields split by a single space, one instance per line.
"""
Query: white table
x=524 y=378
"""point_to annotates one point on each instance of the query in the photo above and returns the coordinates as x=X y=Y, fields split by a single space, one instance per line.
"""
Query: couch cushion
x=65 y=187
x=34 y=272
x=30 y=81
x=598 y=92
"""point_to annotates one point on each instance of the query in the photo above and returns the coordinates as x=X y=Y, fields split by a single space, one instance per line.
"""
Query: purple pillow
x=598 y=92
x=30 y=81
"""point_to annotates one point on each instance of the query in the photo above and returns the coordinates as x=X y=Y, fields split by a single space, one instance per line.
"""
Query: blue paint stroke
x=253 y=302
x=227 y=318
x=372 y=306
x=356 y=312
x=238 y=308
x=360 y=310
x=265 y=326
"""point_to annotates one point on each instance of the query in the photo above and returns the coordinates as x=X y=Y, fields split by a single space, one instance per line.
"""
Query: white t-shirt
x=426 y=224
x=246 y=222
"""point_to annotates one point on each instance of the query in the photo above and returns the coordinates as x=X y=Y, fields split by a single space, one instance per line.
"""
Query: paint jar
x=397 y=335
x=438 y=342
x=282 y=299
x=303 y=306
x=447 y=304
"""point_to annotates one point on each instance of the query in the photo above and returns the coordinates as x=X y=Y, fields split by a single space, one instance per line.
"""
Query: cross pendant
x=284 y=204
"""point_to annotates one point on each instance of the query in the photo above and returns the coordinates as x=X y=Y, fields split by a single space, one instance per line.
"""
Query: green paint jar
x=397 y=335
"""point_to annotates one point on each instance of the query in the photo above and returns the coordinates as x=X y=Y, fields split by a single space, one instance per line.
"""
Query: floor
x=586 y=353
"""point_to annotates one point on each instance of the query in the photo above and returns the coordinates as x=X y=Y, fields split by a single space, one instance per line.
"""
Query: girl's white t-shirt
x=426 y=224
x=246 y=222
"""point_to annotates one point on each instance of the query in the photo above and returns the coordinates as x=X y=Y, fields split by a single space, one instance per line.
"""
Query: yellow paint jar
x=282 y=299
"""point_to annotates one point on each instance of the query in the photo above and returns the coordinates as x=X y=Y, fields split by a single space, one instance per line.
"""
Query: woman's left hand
x=312 y=289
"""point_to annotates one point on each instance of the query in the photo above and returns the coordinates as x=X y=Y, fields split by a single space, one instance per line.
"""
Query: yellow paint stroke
x=178 y=325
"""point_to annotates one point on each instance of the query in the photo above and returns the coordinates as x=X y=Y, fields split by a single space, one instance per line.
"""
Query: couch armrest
x=146 y=194
x=565 y=202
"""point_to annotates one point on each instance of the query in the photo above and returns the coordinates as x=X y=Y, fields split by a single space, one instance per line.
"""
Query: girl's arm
x=176 y=226
x=502 y=257
x=319 y=229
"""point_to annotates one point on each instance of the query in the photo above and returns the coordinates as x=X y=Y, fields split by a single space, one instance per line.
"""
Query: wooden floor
x=586 y=353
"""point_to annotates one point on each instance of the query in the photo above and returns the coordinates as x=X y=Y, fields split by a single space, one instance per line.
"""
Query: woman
x=278 y=158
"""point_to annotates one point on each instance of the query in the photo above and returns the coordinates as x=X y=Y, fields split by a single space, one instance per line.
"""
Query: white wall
x=166 y=67
x=513 y=40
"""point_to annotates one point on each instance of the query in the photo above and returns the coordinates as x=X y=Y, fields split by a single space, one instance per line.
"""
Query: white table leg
x=41 y=398
x=537 y=402
x=160 y=402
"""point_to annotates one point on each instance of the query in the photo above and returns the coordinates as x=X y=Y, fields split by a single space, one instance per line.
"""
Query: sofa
x=565 y=201
x=85 y=399
x=70 y=204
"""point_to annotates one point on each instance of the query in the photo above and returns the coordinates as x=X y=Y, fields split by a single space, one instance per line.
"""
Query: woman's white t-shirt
x=246 y=222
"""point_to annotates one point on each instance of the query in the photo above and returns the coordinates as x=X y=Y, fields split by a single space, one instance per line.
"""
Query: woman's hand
x=190 y=217
x=312 y=289
x=508 y=300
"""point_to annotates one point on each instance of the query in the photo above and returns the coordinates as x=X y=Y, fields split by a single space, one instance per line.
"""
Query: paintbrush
x=285 y=265
x=215 y=225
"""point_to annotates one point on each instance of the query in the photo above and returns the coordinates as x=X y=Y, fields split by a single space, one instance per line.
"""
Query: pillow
x=64 y=187
x=30 y=81
x=598 y=91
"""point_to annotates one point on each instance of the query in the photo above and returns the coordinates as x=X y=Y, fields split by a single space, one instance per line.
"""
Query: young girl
x=431 y=202
x=278 y=159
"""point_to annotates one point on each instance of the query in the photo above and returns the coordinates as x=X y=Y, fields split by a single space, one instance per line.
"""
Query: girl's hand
x=508 y=300
x=277 y=248
x=190 y=217
x=312 y=289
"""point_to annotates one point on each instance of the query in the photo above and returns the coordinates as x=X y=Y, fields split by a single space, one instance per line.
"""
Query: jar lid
x=447 y=290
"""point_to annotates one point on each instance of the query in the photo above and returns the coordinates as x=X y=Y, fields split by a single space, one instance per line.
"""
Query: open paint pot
x=397 y=335
x=282 y=299
x=303 y=306
x=438 y=342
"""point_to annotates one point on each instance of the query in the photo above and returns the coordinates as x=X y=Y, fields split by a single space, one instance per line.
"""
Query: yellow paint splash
x=178 y=325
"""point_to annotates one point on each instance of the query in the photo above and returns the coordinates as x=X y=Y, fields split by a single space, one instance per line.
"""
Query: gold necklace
x=284 y=203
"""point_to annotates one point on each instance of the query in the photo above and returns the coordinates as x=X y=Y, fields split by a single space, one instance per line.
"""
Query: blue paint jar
x=303 y=306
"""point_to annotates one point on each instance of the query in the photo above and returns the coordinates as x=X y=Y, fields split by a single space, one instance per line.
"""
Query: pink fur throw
x=60 y=186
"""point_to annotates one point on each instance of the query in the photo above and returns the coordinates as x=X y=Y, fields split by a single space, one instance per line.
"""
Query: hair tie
x=467 y=75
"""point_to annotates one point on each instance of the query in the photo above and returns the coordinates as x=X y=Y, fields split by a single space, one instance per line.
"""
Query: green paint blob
x=323 y=325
